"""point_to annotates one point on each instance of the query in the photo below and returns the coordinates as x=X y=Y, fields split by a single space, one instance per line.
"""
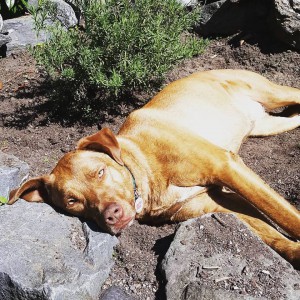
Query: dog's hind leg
x=272 y=96
x=278 y=96
x=262 y=90
x=269 y=125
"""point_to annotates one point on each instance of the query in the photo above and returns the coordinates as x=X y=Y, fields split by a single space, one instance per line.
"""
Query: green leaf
x=3 y=200
x=10 y=3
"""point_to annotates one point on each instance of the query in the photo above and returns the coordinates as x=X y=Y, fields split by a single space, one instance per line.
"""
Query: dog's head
x=90 y=182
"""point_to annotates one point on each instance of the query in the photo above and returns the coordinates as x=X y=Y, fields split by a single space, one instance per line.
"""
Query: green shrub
x=124 y=45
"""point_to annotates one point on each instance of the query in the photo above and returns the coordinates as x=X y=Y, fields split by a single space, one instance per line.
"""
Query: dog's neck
x=140 y=170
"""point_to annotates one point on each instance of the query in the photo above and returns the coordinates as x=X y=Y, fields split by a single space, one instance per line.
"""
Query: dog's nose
x=113 y=213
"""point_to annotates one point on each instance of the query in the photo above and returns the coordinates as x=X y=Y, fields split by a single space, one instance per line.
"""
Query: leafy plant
x=122 y=46
x=3 y=200
x=10 y=3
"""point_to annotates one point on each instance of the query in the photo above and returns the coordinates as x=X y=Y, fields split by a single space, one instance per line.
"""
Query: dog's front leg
x=239 y=178
x=207 y=164
x=188 y=160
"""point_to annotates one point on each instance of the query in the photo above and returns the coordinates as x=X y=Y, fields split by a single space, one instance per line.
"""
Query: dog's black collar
x=138 y=201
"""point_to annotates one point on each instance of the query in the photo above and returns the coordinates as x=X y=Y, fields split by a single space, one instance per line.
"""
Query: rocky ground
x=28 y=132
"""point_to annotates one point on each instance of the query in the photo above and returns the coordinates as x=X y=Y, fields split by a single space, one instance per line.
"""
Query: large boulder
x=284 y=21
x=225 y=17
x=19 y=33
x=46 y=254
x=218 y=257
x=64 y=11
x=22 y=34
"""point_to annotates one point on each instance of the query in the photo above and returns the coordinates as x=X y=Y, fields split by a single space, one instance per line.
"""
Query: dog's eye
x=101 y=173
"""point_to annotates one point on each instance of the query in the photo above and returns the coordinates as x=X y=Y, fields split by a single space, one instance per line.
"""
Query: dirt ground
x=28 y=132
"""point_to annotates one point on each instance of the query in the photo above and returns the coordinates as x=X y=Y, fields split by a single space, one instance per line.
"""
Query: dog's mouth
x=125 y=223
x=121 y=225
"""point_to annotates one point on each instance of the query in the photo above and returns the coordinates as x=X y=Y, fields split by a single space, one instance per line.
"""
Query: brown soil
x=28 y=131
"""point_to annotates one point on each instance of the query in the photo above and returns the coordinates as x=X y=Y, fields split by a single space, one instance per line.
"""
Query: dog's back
x=219 y=106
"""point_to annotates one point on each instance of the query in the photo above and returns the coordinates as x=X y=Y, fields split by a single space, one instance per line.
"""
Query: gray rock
x=12 y=173
x=284 y=21
x=22 y=34
x=4 y=39
x=65 y=12
x=296 y=5
x=225 y=17
x=115 y=293
x=218 y=257
x=45 y=254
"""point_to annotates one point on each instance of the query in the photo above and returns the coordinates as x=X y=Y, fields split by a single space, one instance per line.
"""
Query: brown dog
x=171 y=159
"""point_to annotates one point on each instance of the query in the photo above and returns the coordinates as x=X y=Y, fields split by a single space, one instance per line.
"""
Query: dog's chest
x=177 y=194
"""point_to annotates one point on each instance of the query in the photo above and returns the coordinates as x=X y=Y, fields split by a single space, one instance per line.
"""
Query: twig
x=222 y=279
x=211 y=267
x=219 y=220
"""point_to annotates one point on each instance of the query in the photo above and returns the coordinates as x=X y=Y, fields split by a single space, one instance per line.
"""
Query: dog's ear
x=33 y=190
x=102 y=141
